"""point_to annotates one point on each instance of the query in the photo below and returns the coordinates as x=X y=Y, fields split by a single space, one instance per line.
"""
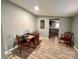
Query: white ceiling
x=49 y=7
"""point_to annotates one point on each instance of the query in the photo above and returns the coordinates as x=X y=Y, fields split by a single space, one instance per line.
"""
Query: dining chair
x=21 y=44
x=36 y=39
x=67 y=38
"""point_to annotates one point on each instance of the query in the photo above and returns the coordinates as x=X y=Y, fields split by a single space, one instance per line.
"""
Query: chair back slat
x=18 y=38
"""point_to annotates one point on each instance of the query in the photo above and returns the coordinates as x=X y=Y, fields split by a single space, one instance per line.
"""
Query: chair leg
x=19 y=48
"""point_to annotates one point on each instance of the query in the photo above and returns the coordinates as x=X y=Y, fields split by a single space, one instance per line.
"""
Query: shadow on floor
x=24 y=53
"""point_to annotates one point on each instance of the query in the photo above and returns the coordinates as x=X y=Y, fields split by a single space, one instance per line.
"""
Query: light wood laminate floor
x=48 y=49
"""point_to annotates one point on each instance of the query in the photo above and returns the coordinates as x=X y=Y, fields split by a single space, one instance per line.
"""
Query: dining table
x=30 y=39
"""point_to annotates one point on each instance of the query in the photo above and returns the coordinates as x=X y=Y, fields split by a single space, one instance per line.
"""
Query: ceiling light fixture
x=36 y=8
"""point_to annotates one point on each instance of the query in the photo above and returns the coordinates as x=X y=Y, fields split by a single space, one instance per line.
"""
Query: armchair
x=67 y=38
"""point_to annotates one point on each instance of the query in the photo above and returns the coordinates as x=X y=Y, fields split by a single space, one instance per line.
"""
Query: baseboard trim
x=75 y=49
x=11 y=50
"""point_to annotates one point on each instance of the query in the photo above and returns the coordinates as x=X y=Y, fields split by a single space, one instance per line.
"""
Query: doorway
x=53 y=28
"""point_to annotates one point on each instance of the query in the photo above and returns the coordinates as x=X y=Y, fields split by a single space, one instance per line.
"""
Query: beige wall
x=65 y=25
x=15 y=20
x=75 y=30
x=2 y=47
x=43 y=32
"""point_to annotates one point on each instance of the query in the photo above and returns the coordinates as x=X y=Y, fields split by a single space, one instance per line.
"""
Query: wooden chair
x=67 y=38
x=21 y=44
x=35 y=40
x=63 y=36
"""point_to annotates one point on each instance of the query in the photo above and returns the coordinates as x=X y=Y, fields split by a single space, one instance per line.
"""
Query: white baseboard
x=11 y=50
x=75 y=49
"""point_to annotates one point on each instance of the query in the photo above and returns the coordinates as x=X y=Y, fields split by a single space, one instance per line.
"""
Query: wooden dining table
x=29 y=39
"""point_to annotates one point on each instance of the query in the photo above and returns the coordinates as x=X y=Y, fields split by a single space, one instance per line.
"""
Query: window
x=42 y=24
